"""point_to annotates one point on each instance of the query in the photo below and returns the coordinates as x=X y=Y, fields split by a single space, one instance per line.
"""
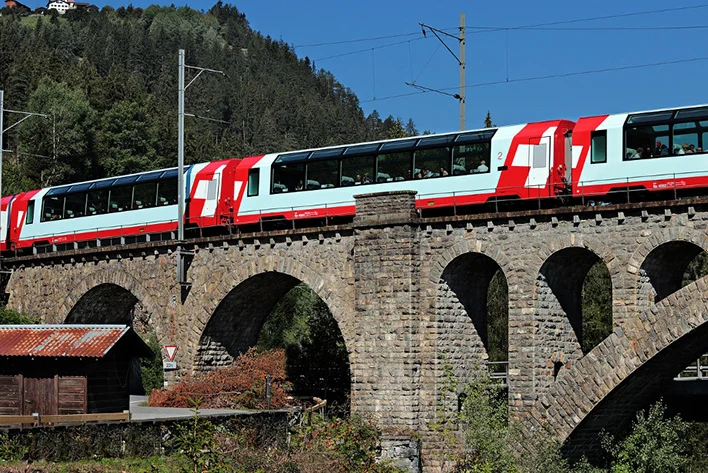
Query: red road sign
x=171 y=350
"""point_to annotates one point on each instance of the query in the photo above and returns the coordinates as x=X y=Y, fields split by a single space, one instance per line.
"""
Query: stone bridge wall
x=408 y=295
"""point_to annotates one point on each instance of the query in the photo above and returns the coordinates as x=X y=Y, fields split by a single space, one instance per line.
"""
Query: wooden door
x=39 y=396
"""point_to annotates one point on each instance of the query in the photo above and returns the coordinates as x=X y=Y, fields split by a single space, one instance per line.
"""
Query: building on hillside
x=67 y=369
x=17 y=5
x=62 y=6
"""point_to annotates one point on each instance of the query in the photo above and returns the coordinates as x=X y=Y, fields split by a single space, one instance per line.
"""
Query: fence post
x=675 y=191
x=268 y=391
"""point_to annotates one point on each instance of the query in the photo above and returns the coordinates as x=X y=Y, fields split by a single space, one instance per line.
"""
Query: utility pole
x=463 y=65
x=460 y=61
x=181 y=198
x=3 y=130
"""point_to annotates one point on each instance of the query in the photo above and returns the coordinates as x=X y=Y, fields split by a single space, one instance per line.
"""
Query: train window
x=52 y=208
x=360 y=150
x=401 y=145
x=695 y=113
x=254 y=177
x=322 y=174
x=325 y=154
x=120 y=199
x=144 y=195
x=97 y=202
x=433 y=162
x=598 y=148
x=288 y=177
x=471 y=159
x=650 y=117
x=649 y=141
x=356 y=171
x=29 y=218
x=394 y=167
x=685 y=138
x=167 y=191
x=75 y=205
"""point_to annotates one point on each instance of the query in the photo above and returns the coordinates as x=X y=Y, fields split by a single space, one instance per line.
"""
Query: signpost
x=170 y=364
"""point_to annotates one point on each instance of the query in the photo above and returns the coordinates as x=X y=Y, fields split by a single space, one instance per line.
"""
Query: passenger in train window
x=664 y=151
x=699 y=150
x=482 y=167
x=300 y=185
x=691 y=149
x=443 y=172
x=366 y=180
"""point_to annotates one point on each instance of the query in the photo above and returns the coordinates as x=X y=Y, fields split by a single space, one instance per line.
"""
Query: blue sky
x=496 y=56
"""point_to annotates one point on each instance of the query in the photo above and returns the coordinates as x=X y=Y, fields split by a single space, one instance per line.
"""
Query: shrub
x=241 y=385
x=354 y=440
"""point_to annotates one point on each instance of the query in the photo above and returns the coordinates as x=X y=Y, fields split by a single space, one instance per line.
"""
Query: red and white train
x=595 y=156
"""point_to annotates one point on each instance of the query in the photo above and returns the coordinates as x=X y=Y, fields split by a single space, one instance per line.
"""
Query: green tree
x=151 y=370
x=317 y=358
x=125 y=140
x=655 y=444
x=596 y=306
x=59 y=148
x=488 y=123
x=11 y=317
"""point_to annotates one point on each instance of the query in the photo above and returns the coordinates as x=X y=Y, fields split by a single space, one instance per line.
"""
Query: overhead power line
x=551 y=76
x=487 y=29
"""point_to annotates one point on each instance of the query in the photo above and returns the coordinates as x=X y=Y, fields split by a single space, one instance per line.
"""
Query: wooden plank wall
x=11 y=395
x=71 y=395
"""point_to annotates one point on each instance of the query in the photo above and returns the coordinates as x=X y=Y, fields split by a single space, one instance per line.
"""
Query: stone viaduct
x=409 y=296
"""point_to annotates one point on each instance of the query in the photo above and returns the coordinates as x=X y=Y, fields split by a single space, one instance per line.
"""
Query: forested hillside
x=108 y=82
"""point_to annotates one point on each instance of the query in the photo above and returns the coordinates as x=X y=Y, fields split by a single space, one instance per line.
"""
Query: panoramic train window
x=685 y=138
x=356 y=171
x=471 y=159
x=29 y=218
x=433 y=162
x=145 y=195
x=167 y=191
x=288 y=177
x=254 y=177
x=52 y=208
x=97 y=202
x=322 y=174
x=650 y=141
x=394 y=167
x=120 y=199
x=75 y=205
x=598 y=148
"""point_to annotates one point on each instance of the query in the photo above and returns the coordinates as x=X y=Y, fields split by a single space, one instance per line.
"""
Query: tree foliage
x=317 y=358
x=108 y=82
x=11 y=317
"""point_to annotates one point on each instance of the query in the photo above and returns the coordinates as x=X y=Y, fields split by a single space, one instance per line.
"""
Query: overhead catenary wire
x=488 y=29
x=553 y=76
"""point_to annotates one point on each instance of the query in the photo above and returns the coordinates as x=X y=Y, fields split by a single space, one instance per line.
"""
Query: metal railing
x=499 y=371
x=697 y=370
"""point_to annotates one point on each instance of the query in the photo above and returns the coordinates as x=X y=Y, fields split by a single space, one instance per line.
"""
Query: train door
x=539 y=162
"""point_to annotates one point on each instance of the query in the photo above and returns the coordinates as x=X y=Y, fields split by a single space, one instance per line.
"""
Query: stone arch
x=558 y=316
x=271 y=276
x=108 y=296
x=460 y=279
x=655 y=268
x=626 y=371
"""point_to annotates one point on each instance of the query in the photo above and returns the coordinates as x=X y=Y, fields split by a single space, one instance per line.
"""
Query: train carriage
x=651 y=151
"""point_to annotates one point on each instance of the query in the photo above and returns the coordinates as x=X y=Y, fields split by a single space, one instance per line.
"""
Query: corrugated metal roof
x=59 y=340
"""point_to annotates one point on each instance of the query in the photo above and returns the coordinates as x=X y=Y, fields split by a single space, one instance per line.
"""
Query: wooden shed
x=67 y=369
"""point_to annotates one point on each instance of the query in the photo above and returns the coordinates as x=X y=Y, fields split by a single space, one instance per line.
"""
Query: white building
x=61 y=6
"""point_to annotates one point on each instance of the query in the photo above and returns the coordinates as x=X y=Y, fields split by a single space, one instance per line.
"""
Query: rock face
x=409 y=296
